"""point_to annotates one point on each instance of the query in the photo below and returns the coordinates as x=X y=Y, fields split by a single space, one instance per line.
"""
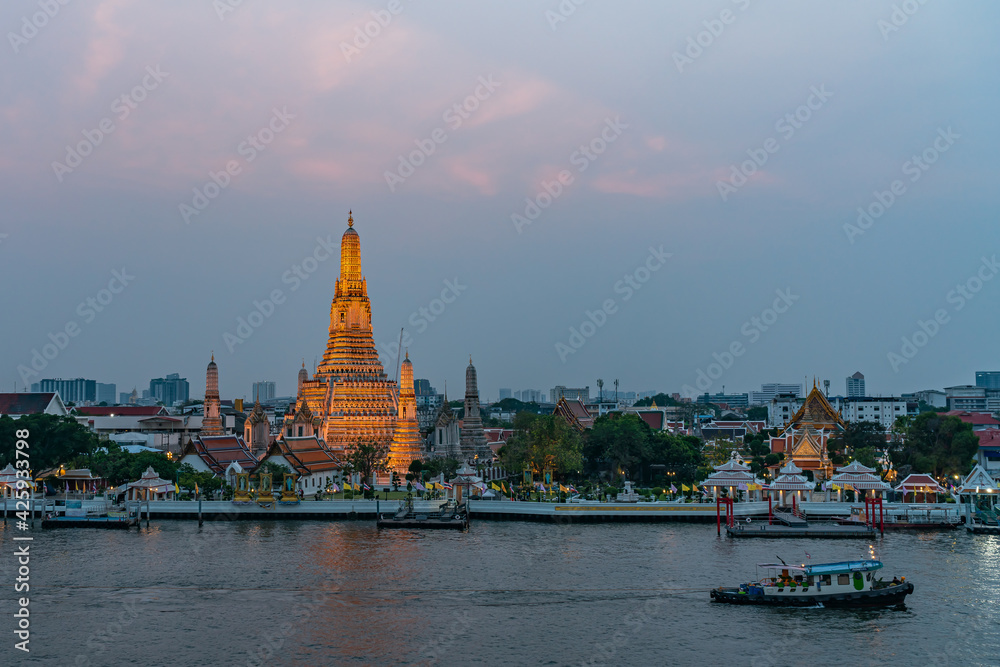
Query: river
x=505 y=593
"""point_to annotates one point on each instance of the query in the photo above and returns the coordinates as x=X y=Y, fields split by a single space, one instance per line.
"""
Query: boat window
x=825 y=580
x=844 y=579
x=798 y=578
x=811 y=580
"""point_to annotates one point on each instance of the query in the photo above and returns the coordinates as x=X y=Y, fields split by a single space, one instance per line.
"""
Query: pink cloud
x=673 y=185
x=106 y=46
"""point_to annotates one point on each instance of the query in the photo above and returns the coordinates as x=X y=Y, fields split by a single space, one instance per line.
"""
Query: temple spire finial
x=350 y=218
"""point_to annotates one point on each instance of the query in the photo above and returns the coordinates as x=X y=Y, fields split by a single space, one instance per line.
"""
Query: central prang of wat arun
x=351 y=399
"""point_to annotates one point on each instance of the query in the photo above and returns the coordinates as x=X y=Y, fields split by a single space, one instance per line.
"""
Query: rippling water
x=331 y=593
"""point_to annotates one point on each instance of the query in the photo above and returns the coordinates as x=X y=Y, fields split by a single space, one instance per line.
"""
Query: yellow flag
x=196 y=488
x=176 y=490
x=429 y=486
x=495 y=487
x=694 y=487
x=563 y=488
x=685 y=487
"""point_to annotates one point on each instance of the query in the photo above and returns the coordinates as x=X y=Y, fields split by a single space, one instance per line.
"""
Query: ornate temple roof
x=921 y=483
x=816 y=414
x=218 y=451
x=575 y=413
x=978 y=481
x=306 y=455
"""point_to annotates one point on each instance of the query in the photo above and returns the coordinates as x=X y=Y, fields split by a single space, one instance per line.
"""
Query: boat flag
x=673 y=489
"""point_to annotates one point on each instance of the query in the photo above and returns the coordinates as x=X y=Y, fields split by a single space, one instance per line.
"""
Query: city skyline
x=549 y=204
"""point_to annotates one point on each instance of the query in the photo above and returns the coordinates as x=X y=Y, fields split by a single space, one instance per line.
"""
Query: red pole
x=718 y=517
x=770 y=514
x=881 y=518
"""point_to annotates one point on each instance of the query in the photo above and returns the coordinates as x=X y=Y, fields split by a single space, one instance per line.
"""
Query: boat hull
x=883 y=597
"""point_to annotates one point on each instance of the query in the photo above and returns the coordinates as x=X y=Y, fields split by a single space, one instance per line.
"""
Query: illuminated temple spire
x=406 y=439
x=350 y=391
x=211 y=423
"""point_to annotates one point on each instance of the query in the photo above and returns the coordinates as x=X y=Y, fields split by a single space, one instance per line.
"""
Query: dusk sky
x=835 y=102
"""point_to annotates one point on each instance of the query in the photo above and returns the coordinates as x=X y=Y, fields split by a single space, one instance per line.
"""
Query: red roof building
x=980 y=420
x=308 y=457
x=122 y=411
x=17 y=405
x=217 y=454
x=575 y=413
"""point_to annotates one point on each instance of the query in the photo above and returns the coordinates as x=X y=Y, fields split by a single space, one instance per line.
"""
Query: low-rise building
x=18 y=405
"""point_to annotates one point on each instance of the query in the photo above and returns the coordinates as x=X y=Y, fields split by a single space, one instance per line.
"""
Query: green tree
x=540 y=442
x=621 y=442
x=936 y=444
x=52 y=440
x=437 y=466
x=367 y=457
x=660 y=399
x=757 y=413
x=277 y=471
x=189 y=477
x=118 y=466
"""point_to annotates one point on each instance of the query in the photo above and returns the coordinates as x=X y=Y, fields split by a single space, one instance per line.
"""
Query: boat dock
x=805 y=530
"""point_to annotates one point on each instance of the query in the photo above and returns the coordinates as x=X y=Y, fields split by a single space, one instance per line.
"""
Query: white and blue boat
x=845 y=584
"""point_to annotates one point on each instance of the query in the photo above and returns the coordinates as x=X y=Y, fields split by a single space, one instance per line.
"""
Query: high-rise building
x=77 y=390
x=263 y=390
x=350 y=392
x=123 y=397
x=211 y=423
x=770 y=390
x=856 y=386
x=569 y=393
x=988 y=379
x=732 y=400
x=106 y=393
x=530 y=395
x=423 y=387
x=169 y=390
x=505 y=392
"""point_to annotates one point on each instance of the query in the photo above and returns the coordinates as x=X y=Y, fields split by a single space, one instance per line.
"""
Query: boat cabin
x=828 y=578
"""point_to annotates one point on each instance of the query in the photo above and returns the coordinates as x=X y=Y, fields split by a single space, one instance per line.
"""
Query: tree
x=757 y=413
x=188 y=477
x=277 y=470
x=936 y=444
x=660 y=400
x=437 y=466
x=620 y=441
x=52 y=440
x=864 y=436
x=543 y=442
x=118 y=466
x=368 y=457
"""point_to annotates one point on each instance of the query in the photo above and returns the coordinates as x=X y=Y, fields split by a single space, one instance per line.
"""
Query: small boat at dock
x=448 y=515
x=847 y=584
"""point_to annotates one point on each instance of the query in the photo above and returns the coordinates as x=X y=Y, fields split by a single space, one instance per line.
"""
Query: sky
x=701 y=195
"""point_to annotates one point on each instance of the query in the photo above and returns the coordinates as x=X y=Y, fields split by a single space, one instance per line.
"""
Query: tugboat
x=846 y=584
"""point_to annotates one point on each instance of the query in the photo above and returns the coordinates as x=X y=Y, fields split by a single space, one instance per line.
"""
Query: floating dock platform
x=809 y=530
